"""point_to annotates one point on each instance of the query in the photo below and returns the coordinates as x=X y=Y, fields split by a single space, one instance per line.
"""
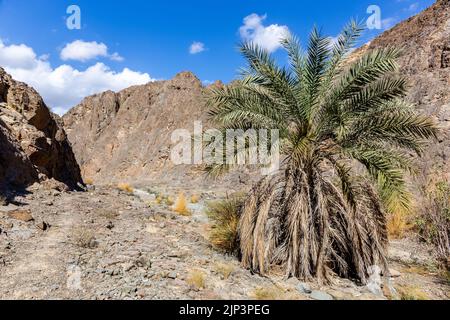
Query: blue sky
x=122 y=43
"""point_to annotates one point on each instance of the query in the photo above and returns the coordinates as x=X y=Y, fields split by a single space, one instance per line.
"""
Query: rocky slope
x=33 y=145
x=125 y=136
x=425 y=41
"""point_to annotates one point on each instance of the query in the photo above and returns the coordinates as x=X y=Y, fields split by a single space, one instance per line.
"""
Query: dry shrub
x=269 y=293
x=197 y=279
x=89 y=181
x=411 y=293
x=169 y=201
x=108 y=214
x=181 y=205
x=225 y=216
x=159 y=199
x=226 y=270
x=398 y=224
x=83 y=237
x=195 y=199
x=125 y=187
x=434 y=222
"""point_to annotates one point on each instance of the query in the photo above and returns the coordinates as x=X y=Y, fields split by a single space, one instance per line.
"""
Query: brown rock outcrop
x=34 y=147
x=126 y=136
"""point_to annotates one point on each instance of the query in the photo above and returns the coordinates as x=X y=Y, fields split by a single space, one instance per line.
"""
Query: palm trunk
x=300 y=221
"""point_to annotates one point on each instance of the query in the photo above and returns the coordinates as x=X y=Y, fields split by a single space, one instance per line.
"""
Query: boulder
x=33 y=143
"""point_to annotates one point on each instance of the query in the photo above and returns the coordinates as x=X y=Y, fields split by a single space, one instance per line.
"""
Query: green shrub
x=224 y=216
x=434 y=222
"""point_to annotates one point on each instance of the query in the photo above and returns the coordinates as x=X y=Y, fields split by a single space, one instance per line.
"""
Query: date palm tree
x=346 y=137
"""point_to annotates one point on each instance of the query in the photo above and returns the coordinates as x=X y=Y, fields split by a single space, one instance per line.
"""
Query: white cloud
x=388 y=23
x=116 y=57
x=64 y=86
x=196 y=47
x=414 y=7
x=207 y=82
x=80 y=50
x=268 y=37
x=17 y=56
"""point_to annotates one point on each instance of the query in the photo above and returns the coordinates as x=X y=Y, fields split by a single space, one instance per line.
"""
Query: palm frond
x=314 y=71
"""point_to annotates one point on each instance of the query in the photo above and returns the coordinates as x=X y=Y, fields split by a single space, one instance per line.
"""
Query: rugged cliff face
x=34 y=147
x=425 y=40
x=126 y=136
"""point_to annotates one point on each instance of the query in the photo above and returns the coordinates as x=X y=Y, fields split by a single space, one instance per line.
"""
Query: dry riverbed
x=111 y=244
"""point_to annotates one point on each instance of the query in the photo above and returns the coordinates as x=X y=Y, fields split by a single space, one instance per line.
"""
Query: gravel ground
x=109 y=244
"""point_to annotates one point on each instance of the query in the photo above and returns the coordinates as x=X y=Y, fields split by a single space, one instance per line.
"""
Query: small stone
x=304 y=288
x=54 y=287
x=93 y=244
x=48 y=203
x=55 y=193
x=172 y=275
x=320 y=295
x=128 y=266
x=394 y=273
x=44 y=226
x=144 y=262
x=110 y=225
x=6 y=225
x=134 y=253
x=21 y=215
x=340 y=295
x=3 y=201
x=141 y=293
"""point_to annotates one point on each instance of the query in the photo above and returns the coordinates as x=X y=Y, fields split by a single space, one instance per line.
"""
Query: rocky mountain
x=425 y=41
x=33 y=145
x=126 y=136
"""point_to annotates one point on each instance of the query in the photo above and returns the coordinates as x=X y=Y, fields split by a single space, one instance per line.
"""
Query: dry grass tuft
x=398 y=225
x=159 y=199
x=108 y=214
x=412 y=293
x=434 y=221
x=89 y=181
x=125 y=187
x=197 y=279
x=83 y=237
x=169 y=201
x=225 y=216
x=226 y=270
x=269 y=293
x=195 y=199
x=181 y=206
